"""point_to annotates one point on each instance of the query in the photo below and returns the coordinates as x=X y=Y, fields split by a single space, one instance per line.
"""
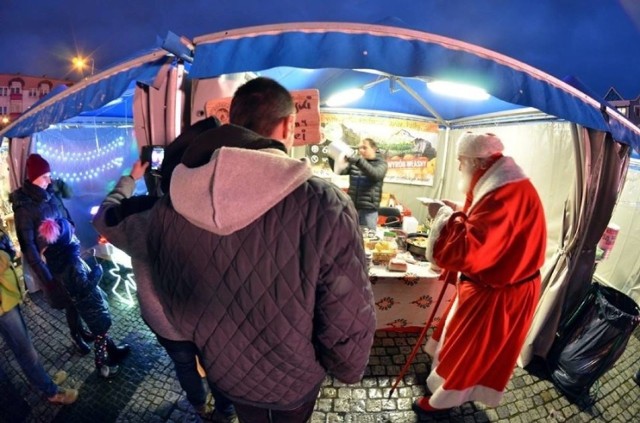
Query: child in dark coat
x=62 y=254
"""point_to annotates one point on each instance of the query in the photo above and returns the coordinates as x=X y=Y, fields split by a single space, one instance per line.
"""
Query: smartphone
x=152 y=154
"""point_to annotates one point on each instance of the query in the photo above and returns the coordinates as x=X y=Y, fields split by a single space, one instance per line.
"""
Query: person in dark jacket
x=124 y=220
x=366 y=172
x=62 y=252
x=40 y=197
x=262 y=264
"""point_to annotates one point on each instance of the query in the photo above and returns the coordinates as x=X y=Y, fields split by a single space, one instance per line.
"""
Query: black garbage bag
x=591 y=339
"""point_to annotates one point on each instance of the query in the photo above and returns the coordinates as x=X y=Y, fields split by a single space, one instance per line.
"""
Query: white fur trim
x=447 y=398
x=479 y=145
x=504 y=171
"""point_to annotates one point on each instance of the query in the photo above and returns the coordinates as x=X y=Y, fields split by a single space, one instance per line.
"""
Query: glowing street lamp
x=80 y=63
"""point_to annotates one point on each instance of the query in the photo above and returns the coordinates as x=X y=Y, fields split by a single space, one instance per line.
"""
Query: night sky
x=597 y=41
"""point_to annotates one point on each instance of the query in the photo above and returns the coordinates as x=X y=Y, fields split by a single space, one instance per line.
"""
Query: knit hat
x=479 y=145
x=36 y=167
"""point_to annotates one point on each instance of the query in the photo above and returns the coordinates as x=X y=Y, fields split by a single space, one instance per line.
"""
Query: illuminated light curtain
x=90 y=158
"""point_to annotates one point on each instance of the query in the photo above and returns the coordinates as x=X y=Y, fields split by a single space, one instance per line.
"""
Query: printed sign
x=408 y=146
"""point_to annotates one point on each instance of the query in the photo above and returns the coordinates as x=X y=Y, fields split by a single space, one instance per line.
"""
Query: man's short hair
x=371 y=142
x=260 y=104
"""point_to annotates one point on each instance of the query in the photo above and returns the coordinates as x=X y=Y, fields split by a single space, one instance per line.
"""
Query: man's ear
x=290 y=126
x=286 y=130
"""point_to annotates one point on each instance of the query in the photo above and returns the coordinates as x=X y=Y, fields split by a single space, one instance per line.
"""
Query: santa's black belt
x=465 y=278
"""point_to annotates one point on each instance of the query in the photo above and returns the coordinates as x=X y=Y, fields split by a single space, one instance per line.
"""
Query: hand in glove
x=353 y=158
x=61 y=188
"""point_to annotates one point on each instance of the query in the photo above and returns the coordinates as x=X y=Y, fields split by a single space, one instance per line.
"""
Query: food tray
x=382 y=258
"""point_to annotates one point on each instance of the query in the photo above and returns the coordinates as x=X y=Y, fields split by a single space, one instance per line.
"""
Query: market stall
x=555 y=130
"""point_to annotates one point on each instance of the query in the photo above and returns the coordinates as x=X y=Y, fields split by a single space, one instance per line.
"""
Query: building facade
x=19 y=92
x=628 y=108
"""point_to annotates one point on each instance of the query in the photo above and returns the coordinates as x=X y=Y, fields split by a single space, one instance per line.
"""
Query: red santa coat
x=499 y=247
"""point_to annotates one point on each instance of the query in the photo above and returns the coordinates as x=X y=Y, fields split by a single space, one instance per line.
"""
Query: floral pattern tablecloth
x=404 y=301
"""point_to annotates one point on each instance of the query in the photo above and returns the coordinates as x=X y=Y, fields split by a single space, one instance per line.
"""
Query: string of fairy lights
x=92 y=164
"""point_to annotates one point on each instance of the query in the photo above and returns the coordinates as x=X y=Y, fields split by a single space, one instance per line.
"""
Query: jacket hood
x=235 y=187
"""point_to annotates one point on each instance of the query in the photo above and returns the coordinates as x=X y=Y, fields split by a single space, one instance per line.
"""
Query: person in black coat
x=366 y=171
x=38 y=198
x=80 y=281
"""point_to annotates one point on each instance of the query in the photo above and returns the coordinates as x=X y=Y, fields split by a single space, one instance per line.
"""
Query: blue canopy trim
x=88 y=95
x=407 y=54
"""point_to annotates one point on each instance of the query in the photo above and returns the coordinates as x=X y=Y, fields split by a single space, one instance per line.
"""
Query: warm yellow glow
x=345 y=97
x=454 y=89
x=79 y=63
x=5 y=120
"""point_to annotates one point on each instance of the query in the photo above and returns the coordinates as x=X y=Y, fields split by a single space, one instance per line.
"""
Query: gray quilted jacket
x=263 y=266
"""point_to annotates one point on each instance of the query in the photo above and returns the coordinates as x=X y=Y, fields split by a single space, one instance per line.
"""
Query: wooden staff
x=422 y=334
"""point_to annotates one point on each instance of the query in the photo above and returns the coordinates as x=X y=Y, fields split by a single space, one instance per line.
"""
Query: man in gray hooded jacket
x=262 y=264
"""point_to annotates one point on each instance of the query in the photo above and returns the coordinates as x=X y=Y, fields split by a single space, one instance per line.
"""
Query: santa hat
x=479 y=145
x=36 y=167
x=55 y=231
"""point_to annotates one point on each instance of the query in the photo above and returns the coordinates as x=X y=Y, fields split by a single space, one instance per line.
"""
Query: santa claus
x=492 y=247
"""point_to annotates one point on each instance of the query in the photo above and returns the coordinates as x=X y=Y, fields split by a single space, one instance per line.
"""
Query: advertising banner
x=408 y=146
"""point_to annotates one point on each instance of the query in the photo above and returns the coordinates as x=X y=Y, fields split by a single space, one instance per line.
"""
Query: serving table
x=404 y=300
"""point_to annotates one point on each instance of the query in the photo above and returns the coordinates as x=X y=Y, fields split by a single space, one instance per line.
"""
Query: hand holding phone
x=152 y=154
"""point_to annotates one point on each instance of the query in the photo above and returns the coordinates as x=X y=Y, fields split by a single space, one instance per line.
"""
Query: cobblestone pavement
x=146 y=390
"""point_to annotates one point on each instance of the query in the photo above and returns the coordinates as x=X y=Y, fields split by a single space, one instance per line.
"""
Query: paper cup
x=608 y=239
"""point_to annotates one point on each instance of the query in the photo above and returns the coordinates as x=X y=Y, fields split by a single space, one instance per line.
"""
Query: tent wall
x=621 y=270
x=601 y=164
x=18 y=153
x=204 y=90
x=158 y=107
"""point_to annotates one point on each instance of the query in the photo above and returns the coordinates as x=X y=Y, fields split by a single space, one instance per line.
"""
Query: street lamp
x=80 y=63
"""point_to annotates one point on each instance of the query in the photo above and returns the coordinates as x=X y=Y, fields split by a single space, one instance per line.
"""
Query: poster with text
x=408 y=146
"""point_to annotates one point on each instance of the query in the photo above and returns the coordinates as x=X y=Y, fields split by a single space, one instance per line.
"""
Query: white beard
x=464 y=183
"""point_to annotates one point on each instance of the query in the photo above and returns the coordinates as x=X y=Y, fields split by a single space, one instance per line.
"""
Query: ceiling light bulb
x=345 y=97
x=454 y=89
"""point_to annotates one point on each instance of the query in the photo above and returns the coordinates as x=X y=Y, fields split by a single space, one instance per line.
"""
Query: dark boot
x=86 y=334
x=75 y=327
x=117 y=353
x=636 y=377
x=79 y=344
